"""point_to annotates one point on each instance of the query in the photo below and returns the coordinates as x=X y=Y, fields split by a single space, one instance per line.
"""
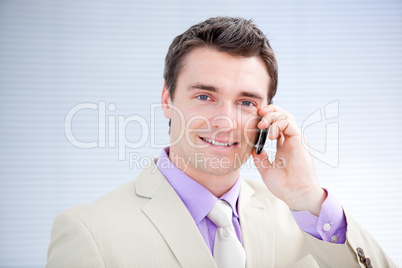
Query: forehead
x=207 y=65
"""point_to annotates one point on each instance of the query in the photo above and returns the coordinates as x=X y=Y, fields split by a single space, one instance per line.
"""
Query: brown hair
x=235 y=36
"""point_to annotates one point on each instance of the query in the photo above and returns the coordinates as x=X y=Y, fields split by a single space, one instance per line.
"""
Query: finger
x=280 y=149
x=261 y=161
x=276 y=128
x=280 y=141
x=270 y=109
x=285 y=126
x=270 y=118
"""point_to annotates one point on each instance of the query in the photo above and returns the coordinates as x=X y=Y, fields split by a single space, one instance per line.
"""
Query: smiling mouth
x=218 y=143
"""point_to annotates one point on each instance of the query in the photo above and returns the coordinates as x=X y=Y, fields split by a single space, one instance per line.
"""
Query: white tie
x=228 y=251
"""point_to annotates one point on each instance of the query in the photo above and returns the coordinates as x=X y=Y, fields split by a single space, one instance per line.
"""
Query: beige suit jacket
x=145 y=224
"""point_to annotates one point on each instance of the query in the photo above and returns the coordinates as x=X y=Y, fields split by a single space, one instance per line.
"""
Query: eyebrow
x=203 y=87
x=251 y=95
x=215 y=89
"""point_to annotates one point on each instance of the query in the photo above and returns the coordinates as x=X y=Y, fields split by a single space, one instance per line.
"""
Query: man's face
x=214 y=111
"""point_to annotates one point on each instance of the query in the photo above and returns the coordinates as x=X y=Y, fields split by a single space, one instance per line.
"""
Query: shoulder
x=128 y=197
x=113 y=225
x=110 y=202
x=113 y=212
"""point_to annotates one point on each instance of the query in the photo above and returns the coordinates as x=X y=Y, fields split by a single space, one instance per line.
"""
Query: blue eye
x=203 y=97
x=247 y=103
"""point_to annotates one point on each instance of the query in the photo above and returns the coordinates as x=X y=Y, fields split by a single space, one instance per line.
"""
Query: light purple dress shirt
x=199 y=201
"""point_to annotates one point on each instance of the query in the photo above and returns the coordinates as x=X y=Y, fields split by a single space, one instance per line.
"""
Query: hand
x=291 y=176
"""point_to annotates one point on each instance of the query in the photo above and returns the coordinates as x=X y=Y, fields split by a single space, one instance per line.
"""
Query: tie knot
x=221 y=214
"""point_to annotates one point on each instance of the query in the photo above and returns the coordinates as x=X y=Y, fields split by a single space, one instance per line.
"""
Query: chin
x=224 y=165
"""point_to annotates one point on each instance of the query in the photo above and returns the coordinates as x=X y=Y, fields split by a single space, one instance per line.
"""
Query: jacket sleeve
x=359 y=250
x=72 y=244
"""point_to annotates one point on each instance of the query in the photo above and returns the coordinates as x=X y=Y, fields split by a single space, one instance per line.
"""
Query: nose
x=224 y=117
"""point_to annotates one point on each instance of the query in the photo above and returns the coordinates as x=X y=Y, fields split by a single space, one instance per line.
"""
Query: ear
x=166 y=101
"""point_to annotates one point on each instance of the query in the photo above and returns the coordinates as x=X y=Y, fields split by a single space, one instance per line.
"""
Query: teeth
x=218 y=143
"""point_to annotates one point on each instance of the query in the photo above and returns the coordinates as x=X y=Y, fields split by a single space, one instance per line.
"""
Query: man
x=220 y=76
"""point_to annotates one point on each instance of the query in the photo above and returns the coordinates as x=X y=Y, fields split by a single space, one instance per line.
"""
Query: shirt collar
x=198 y=200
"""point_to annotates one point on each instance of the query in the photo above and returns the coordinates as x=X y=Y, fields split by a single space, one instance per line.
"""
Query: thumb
x=261 y=161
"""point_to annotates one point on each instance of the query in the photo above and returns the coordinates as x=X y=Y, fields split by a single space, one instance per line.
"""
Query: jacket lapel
x=257 y=227
x=172 y=219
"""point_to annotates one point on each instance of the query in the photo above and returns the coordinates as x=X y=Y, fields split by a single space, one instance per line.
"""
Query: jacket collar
x=172 y=219
x=257 y=225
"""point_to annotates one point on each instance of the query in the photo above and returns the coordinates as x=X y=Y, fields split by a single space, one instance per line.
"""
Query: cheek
x=196 y=117
x=250 y=123
x=250 y=130
x=198 y=124
x=189 y=119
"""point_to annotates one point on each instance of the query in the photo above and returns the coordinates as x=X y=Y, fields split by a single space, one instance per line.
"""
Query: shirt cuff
x=329 y=226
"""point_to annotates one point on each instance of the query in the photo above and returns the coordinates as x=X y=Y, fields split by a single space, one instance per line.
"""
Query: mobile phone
x=262 y=137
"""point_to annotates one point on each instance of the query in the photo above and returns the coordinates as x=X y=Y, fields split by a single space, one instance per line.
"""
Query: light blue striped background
x=57 y=54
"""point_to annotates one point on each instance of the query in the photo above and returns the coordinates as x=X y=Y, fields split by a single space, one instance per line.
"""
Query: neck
x=218 y=182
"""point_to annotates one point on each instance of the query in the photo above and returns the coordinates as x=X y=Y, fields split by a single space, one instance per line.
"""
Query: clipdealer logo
x=108 y=137
x=107 y=125
x=329 y=154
